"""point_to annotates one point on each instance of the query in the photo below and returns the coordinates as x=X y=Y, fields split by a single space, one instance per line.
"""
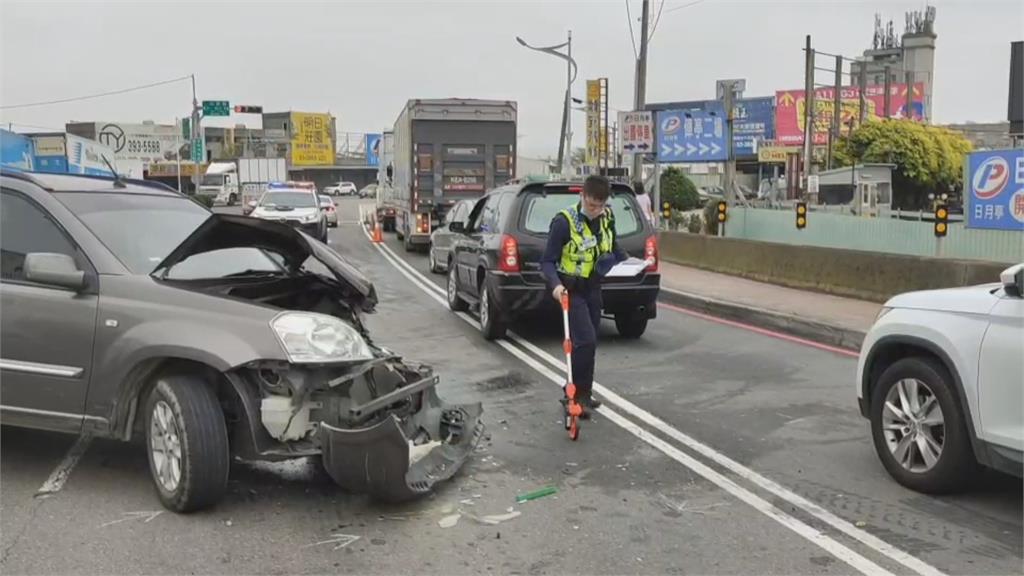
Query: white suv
x=941 y=377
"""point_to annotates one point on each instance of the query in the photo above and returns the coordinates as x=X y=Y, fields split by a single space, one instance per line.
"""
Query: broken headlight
x=310 y=338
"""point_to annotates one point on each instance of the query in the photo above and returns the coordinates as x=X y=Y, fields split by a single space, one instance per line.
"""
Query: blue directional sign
x=995 y=189
x=753 y=122
x=692 y=135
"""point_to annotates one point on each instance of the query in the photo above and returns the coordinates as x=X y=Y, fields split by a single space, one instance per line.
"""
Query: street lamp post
x=565 y=144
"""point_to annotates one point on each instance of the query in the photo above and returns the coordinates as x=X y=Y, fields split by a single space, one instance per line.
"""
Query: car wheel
x=407 y=244
x=918 y=429
x=433 y=260
x=491 y=325
x=187 y=443
x=232 y=199
x=631 y=324
x=455 y=302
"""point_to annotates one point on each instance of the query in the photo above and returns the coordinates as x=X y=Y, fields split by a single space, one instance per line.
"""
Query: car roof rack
x=29 y=176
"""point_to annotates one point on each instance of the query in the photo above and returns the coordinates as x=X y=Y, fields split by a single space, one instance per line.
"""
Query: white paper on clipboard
x=627 y=268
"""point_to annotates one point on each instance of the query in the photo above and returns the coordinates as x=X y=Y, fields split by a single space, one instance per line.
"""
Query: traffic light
x=666 y=210
x=722 y=211
x=941 y=220
x=801 y=215
x=248 y=109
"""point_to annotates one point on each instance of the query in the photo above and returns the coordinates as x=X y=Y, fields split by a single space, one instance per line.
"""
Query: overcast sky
x=362 y=60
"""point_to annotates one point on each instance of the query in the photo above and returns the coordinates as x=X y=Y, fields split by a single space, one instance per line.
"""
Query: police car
x=295 y=204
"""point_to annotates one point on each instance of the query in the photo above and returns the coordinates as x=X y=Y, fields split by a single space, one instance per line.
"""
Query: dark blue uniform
x=584 y=297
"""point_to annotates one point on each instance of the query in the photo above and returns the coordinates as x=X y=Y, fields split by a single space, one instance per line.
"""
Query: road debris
x=149 y=516
x=339 y=540
x=449 y=521
x=495 y=519
x=536 y=494
x=861 y=524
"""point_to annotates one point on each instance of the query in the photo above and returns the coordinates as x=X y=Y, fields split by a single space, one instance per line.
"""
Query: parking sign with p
x=995 y=189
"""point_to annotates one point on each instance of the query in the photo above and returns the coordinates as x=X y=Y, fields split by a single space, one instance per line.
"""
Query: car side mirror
x=53 y=270
x=1013 y=280
x=457 y=227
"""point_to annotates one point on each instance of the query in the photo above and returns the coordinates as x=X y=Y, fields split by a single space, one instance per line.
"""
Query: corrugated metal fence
x=875 y=235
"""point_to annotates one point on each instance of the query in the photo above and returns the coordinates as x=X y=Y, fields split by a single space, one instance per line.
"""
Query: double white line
x=537 y=358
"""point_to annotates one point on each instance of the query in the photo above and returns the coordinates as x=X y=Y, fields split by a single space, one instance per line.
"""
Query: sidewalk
x=824 y=318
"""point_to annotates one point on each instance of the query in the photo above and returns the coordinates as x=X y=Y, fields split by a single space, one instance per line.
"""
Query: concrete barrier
x=870 y=276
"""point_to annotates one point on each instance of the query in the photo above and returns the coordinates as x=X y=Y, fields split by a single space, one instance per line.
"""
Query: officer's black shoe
x=589 y=404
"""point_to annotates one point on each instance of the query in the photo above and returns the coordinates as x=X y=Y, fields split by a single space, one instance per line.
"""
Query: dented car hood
x=223 y=231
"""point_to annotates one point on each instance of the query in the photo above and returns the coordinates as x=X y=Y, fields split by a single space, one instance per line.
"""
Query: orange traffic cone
x=378 y=236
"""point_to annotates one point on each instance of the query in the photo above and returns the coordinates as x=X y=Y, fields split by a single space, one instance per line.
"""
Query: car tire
x=491 y=325
x=956 y=464
x=407 y=244
x=455 y=302
x=631 y=325
x=434 y=268
x=183 y=414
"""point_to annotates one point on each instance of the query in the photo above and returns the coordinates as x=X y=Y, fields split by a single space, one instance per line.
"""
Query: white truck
x=242 y=180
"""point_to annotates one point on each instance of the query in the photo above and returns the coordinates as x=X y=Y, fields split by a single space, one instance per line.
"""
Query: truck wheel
x=408 y=245
x=918 y=429
x=232 y=199
x=187 y=443
x=631 y=325
x=491 y=325
x=455 y=302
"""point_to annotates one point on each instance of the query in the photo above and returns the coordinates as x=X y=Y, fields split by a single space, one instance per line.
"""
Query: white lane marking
x=813 y=535
x=866 y=538
x=60 y=474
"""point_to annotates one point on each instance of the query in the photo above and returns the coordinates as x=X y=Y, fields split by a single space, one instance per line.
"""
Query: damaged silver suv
x=129 y=310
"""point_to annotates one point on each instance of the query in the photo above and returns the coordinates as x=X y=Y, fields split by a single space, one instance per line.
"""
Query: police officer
x=581 y=248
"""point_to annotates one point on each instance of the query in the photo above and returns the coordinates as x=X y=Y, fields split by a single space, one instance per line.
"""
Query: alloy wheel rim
x=165 y=446
x=451 y=287
x=484 y=308
x=913 y=425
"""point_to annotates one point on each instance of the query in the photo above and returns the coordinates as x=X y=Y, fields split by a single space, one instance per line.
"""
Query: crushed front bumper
x=397 y=460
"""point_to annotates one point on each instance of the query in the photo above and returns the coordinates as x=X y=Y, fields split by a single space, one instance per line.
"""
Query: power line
x=686 y=5
x=629 y=18
x=656 y=20
x=91 y=96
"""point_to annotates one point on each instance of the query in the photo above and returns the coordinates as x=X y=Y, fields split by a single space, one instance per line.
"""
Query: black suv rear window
x=540 y=209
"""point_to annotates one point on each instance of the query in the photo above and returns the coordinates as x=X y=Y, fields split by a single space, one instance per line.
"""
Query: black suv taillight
x=508 y=257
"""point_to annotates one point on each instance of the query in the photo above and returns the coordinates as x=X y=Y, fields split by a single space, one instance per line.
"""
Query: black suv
x=494 y=262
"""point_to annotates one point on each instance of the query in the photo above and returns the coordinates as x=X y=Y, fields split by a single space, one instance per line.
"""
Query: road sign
x=753 y=122
x=693 y=135
x=216 y=108
x=637 y=130
x=995 y=189
x=197 y=150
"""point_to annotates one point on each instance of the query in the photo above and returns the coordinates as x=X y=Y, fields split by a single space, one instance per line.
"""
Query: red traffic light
x=240 y=109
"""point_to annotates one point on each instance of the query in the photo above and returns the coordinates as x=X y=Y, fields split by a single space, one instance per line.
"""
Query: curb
x=846 y=338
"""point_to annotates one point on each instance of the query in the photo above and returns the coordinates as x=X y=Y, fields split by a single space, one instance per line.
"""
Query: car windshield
x=141 y=230
x=326 y=201
x=296 y=199
x=540 y=209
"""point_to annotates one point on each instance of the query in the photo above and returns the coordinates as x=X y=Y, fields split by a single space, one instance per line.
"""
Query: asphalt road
x=720 y=451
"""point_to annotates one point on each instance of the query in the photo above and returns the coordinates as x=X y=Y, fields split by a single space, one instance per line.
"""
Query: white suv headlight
x=313 y=338
x=312 y=217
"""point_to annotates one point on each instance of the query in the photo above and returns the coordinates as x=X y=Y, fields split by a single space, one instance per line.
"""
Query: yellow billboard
x=593 y=122
x=311 y=142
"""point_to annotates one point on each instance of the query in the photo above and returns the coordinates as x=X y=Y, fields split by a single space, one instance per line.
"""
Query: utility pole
x=909 y=75
x=808 y=110
x=197 y=133
x=888 y=89
x=640 y=97
x=730 y=162
x=567 y=171
x=862 y=85
x=837 y=103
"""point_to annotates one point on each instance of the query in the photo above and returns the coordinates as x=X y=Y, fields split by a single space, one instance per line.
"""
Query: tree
x=678 y=190
x=927 y=158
